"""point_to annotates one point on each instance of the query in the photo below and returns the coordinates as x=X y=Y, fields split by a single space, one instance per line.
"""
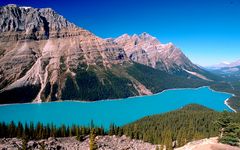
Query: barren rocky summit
x=148 y=50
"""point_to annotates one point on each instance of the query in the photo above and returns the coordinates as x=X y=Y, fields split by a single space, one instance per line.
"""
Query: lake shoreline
x=109 y=111
x=113 y=99
x=131 y=97
x=226 y=101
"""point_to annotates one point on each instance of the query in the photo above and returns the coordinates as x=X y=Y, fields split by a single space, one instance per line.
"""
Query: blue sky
x=207 y=31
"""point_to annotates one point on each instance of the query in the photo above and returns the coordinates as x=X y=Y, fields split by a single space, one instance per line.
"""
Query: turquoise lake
x=119 y=112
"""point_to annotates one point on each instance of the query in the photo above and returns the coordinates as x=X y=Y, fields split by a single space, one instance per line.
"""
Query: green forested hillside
x=178 y=127
x=157 y=80
x=232 y=87
x=189 y=123
x=95 y=83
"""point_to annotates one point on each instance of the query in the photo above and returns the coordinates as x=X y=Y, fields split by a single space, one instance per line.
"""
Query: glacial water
x=119 y=112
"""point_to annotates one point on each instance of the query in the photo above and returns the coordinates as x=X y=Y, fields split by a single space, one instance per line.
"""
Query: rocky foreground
x=207 y=144
x=106 y=143
x=70 y=143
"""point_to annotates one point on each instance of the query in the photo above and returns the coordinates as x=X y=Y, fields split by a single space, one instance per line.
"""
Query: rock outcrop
x=207 y=144
x=70 y=143
x=21 y=23
x=107 y=143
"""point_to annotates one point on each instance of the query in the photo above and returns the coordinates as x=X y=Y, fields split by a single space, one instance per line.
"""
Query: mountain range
x=148 y=50
x=44 y=57
x=226 y=65
x=230 y=69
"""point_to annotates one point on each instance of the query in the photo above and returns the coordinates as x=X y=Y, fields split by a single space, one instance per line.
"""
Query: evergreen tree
x=120 y=132
x=24 y=143
x=32 y=133
x=112 y=129
x=26 y=132
x=12 y=129
x=63 y=131
x=19 y=130
x=92 y=143
x=223 y=122
x=168 y=140
x=39 y=130
x=102 y=132
x=53 y=131
x=230 y=134
x=181 y=137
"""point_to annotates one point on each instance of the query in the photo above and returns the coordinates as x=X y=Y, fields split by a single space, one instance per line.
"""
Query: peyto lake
x=120 y=111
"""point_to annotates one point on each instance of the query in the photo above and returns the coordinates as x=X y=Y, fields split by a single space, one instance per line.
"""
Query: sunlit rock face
x=148 y=50
x=44 y=57
x=39 y=47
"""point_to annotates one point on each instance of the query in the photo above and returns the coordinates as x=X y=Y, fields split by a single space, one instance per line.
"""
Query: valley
x=63 y=87
x=56 y=60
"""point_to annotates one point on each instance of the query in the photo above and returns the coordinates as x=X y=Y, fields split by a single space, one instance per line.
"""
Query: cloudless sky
x=207 y=31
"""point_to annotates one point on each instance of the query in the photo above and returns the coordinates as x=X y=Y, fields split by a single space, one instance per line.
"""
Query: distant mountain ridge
x=148 y=50
x=231 y=68
x=226 y=65
x=44 y=57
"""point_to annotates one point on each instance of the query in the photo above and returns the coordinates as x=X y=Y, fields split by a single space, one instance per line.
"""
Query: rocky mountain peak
x=123 y=37
x=148 y=50
x=32 y=23
x=146 y=36
x=40 y=48
x=10 y=5
x=135 y=37
x=44 y=53
x=170 y=44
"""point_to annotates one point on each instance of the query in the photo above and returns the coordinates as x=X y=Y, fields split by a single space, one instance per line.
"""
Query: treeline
x=157 y=80
x=175 y=129
x=230 y=87
x=89 y=85
x=40 y=131
x=229 y=130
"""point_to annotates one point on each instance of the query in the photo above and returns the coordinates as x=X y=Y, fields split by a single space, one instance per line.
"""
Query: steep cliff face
x=147 y=50
x=40 y=48
x=21 y=23
x=44 y=57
